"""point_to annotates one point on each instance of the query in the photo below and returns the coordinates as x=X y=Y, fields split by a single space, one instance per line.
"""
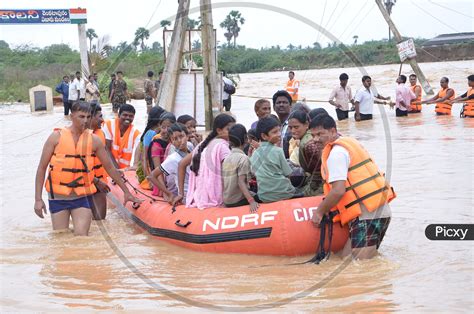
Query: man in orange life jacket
x=292 y=87
x=122 y=138
x=70 y=153
x=354 y=189
x=442 y=97
x=467 y=98
x=415 y=105
x=99 y=206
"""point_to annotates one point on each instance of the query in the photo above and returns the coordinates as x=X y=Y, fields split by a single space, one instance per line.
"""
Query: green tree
x=91 y=34
x=156 y=46
x=193 y=24
x=232 y=24
x=196 y=44
x=140 y=35
x=165 y=23
x=317 y=46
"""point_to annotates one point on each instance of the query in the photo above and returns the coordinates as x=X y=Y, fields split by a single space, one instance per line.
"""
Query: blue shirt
x=63 y=89
x=148 y=138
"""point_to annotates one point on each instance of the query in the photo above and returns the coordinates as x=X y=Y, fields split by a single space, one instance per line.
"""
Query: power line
x=424 y=11
x=322 y=18
x=357 y=15
x=342 y=11
x=362 y=19
x=448 y=8
x=332 y=14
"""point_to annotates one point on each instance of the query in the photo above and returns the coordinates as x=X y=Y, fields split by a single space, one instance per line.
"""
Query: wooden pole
x=169 y=83
x=414 y=65
x=81 y=29
x=211 y=92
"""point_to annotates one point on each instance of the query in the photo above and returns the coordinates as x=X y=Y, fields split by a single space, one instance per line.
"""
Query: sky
x=263 y=27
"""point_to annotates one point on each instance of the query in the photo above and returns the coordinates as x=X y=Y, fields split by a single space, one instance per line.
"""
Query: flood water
x=429 y=160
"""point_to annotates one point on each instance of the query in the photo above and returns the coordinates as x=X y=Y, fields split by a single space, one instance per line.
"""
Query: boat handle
x=179 y=224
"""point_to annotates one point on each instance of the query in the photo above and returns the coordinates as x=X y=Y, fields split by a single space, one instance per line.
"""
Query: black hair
x=150 y=73
x=153 y=119
x=413 y=75
x=471 y=77
x=77 y=72
x=119 y=72
x=343 y=77
x=283 y=93
x=167 y=116
x=91 y=75
x=127 y=108
x=403 y=78
x=299 y=115
x=95 y=108
x=313 y=113
x=365 y=78
x=185 y=118
x=161 y=72
x=112 y=75
x=220 y=122
x=252 y=133
x=265 y=125
x=81 y=105
x=177 y=127
x=445 y=78
x=323 y=120
x=65 y=76
x=291 y=72
x=237 y=135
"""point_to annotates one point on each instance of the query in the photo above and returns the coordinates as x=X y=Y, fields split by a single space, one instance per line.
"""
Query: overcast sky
x=262 y=28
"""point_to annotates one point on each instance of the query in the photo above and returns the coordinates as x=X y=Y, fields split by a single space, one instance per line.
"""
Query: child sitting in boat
x=205 y=178
x=236 y=171
x=269 y=164
x=156 y=152
x=190 y=123
x=152 y=128
x=178 y=135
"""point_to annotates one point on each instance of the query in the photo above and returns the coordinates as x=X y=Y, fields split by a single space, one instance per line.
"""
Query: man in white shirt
x=80 y=86
x=360 y=197
x=364 y=100
x=73 y=93
x=341 y=96
x=226 y=93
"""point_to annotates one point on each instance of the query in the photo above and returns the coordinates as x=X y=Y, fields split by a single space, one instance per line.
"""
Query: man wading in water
x=70 y=153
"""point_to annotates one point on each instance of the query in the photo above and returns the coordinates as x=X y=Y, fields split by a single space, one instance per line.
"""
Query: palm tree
x=91 y=34
x=165 y=23
x=231 y=24
x=290 y=47
x=140 y=35
x=355 y=37
x=193 y=24
x=196 y=44
x=316 y=45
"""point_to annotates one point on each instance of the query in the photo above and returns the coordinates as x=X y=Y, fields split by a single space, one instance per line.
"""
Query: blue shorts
x=55 y=206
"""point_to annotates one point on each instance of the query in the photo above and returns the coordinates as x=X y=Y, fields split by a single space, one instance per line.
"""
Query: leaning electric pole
x=414 y=65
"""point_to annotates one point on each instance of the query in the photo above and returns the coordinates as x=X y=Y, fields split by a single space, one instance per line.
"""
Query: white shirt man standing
x=364 y=100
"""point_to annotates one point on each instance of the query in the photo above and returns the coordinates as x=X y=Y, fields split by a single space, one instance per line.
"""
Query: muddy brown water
x=429 y=160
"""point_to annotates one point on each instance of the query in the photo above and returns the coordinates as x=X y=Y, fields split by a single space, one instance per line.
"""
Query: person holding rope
x=341 y=96
x=356 y=192
x=468 y=99
x=69 y=152
x=364 y=100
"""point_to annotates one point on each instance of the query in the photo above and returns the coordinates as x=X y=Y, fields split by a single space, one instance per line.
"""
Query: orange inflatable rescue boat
x=279 y=228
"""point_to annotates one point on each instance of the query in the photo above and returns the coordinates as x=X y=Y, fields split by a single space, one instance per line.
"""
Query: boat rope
x=152 y=199
x=258 y=97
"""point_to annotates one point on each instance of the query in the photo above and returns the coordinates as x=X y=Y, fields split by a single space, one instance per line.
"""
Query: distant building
x=449 y=39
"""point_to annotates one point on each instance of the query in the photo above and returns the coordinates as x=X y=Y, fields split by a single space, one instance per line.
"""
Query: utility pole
x=414 y=65
x=211 y=94
x=81 y=29
x=172 y=69
x=388 y=5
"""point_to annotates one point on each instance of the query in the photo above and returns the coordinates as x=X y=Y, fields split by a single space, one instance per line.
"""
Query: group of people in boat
x=297 y=152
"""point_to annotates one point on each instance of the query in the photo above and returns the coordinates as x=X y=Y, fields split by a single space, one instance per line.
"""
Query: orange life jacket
x=365 y=184
x=71 y=166
x=468 y=109
x=99 y=170
x=291 y=87
x=122 y=147
x=415 y=105
x=441 y=107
